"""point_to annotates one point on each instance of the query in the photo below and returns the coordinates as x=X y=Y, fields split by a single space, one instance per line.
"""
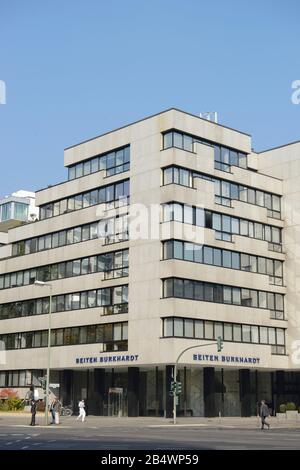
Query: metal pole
x=174 y=392
x=175 y=374
x=48 y=357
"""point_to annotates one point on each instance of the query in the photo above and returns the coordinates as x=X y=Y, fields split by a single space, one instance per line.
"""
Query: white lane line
x=178 y=425
x=25 y=447
x=8 y=443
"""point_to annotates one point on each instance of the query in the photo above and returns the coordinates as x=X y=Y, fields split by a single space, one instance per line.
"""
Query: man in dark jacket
x=33 y=412
x=264 y=413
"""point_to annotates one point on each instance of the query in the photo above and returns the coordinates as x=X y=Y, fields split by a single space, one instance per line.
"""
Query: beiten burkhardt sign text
x=101 y=359
x=222 y=358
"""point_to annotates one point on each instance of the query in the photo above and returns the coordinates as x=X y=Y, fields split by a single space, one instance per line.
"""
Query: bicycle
x=66 y=410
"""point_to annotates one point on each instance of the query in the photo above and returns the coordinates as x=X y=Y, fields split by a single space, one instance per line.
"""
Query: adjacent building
x=168 y=233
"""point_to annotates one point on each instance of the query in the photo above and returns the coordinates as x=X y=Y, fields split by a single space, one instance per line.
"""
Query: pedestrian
x=81 y=406
x=57 y=408
x=33 y=412
x=52 y=411
x=264 y=413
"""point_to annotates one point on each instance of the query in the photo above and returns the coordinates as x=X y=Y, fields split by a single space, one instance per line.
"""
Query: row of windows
x=113 y=162
x=116 y=263
x=105 y=194
x=234 y=332
x=225 y=258
x=113 y=336
x=224 y=225
x=114 y=297
x=20 y=378
x=219 y=293
x=225 y=191
x=104 y=228
x=224 y=156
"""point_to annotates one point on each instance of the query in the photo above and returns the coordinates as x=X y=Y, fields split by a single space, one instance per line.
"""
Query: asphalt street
x=144 y=435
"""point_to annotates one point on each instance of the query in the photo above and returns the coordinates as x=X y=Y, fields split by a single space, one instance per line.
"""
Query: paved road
x=73 y=435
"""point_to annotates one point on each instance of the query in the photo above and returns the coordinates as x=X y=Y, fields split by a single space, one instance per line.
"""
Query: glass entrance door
x=116 y=402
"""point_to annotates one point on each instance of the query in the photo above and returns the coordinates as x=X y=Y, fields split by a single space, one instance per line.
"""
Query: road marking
x=39 y=427
x=177 y=425
x=8 y=443
x=25 y=447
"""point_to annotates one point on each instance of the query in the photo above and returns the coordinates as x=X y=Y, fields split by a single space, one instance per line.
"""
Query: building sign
x=226 y=359
x=115 y=390
x=105 y=359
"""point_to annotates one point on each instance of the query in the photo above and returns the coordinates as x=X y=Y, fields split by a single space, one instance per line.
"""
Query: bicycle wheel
x=68 y=412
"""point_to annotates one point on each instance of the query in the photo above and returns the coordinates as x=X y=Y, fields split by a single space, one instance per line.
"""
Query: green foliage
x=282 y=408
x=11 y=404
x=290 y=406
x=9 y=400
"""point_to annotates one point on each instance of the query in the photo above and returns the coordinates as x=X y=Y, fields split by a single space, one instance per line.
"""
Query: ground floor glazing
x=141 y=391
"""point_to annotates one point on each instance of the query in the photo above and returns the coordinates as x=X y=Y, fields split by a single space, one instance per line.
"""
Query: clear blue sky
x=75 y=69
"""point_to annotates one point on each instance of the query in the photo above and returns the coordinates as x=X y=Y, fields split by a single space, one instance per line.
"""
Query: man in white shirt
x=81 y=406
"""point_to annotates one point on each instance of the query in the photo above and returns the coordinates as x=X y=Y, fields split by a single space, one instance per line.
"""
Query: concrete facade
x=229 y=382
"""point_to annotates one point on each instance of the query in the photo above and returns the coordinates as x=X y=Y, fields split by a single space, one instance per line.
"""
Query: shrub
x=9 y=400
x=290 y=406
x=282 y=408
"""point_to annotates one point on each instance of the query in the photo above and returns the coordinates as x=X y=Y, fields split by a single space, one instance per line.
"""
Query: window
x=168 y=327
x=79 y=170
x=236 y=296
x=227 y=295
x=188 y=214
x=227 y=259
x=76 y=268
x=188 y=251
x=235 y=260
x=209 y=330
x=177 y=209
x=244 y=228
x=208 y=255
x=237 y=333
x=72 y=172
x=6 y=211
x=217 y=225
x=168 y=288
x=168 y=249
x=188 y=289
x=178 y=288
x=199 y=329
x=217 y=257
x=188 y=328
x=246 y=333
x=208 y=292
x=260 y=200
x=178 y=326
x=208 y=219
x=168 y=176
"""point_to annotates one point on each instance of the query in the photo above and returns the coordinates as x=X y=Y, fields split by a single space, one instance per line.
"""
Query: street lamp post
x=219 y=343
x=45 y=284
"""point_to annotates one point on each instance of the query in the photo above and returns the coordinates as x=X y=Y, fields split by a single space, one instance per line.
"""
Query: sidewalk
x=21 y=419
